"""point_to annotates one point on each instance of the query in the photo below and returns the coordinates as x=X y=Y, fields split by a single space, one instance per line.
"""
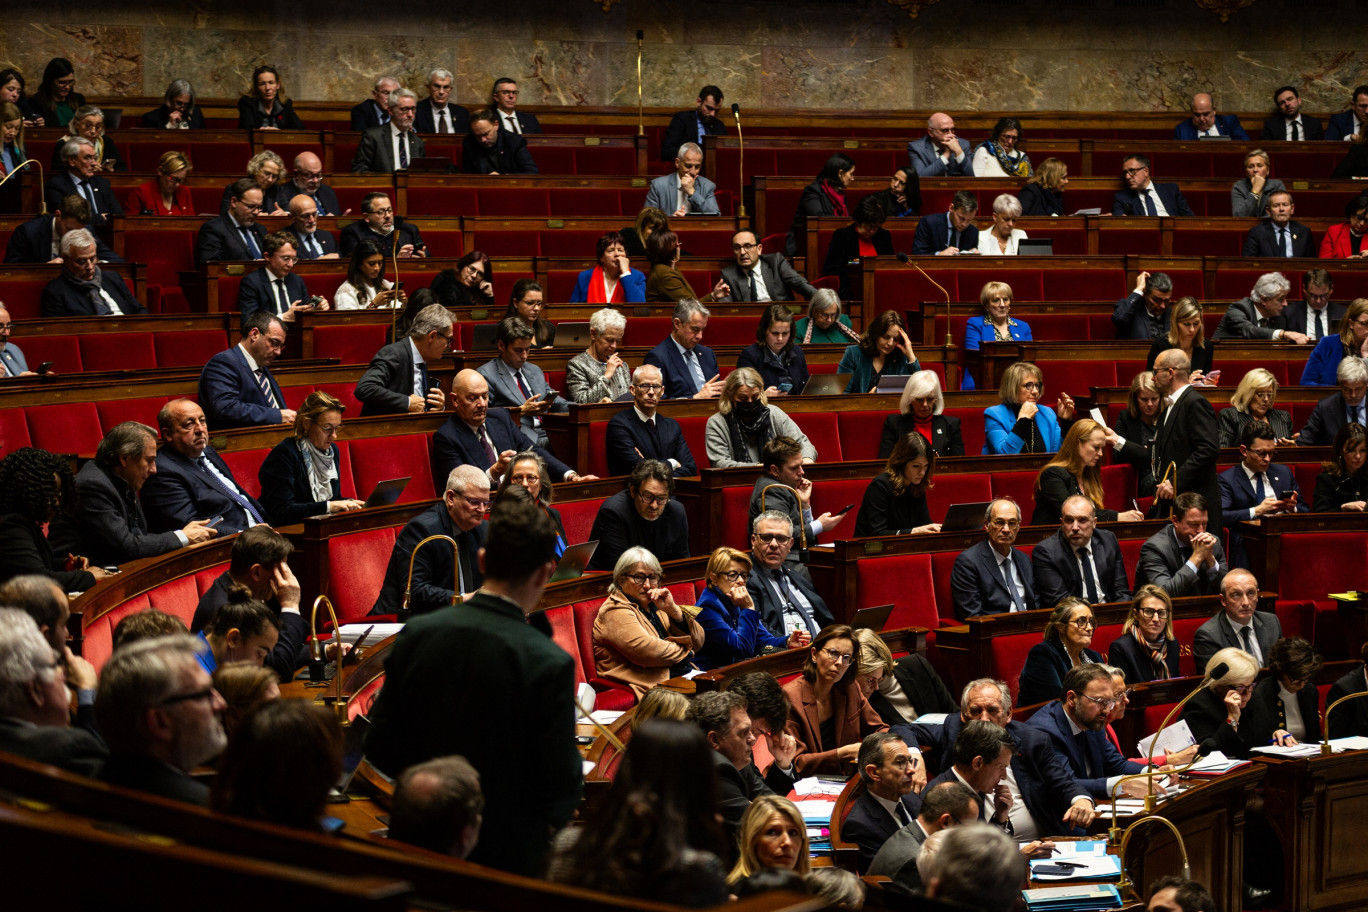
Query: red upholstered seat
x=957 y=489
x=176 y=597
x=584 y=202
x=942 y=563
x=729 y=330
x=1020 y=486
x=1184 y=629
x=345 y=481
x=694 y=429
x=117 y=351
x=192 y=348
x=349 y=344
x=62 y=351
x=98 y=633
x=295 y=395
x=497 y=243
x=14 y=432
x=377 y=459
x=822 y=428
x=356 y=570
x=1027 y=284
x=595 y=160
x=244 y=465
x=831 y=496
x=516 y=201
x=1118 y=486
x=562 y=621
x=71 y=427
x=1312 y=564
x=735 y=529
x=1057 y=328
x=1130 y=554
x=598 y=449
x=116 y=411
x=361 y=702
x=905 y=581
x=971 y=428
x=1008 y=657
x=859 y=433
x=609 y=692
x=1075 y=377
x=344 y=393
x=578 y=518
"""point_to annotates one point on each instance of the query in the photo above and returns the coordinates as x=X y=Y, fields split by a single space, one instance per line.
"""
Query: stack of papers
x=350 y=633
x=1352 y=743
x=1075 y=899
x=1171 y=740
x=1214 y=764
x=816 y=811
x=1082 y=867
x=816 y=787
x=1297 y=750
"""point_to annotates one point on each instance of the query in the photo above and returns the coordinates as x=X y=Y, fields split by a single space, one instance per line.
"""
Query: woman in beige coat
x=641 y=637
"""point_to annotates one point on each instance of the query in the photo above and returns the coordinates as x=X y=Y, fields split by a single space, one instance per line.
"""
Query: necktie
x=1295 y=137
x=750 y=279
x=654 y=433
x=1260 y=491
x=522 y=386
x=904 y=818
x=253 y=251
x=483 y=434
x=1285 y=247
x=1320 y=324
x=229 y=488
x=282 y=299
x=954 y=238
x=403 y=151
x=512 y=123
x=1149 y=201
x=89 y=193
x=1356 y=414
x=311 y=241
x=1246 y=637
x=1081 y=739
x=443 y=125
x=1089 y=586
x=423 y=379
x=789 y=601
x=695 y=369
x=264 y=382
x=1006 y=566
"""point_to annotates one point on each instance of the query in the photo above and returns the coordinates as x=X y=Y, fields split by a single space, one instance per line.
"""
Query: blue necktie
x=228 y=487
x=1089 y=586
x=253 y=251
x=1149 y=202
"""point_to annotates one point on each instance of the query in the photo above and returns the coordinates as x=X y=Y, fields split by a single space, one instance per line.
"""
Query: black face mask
x=748 y=411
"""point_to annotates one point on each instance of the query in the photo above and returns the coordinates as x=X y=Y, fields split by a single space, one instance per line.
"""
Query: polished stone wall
x=992 y=55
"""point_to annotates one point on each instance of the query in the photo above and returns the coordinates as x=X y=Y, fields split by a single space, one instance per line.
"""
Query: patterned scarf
x=1157 y=650
x=1018 y=165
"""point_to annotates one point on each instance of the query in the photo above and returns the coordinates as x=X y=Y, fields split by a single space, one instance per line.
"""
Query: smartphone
x=846 y=509
x=400 y=286
x=215 y=521
x=550 y=396
x=786 y=386
x=1287 y=495
x=45 y=367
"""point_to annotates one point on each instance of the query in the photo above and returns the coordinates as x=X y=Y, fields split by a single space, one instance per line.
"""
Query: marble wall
x=996 y=55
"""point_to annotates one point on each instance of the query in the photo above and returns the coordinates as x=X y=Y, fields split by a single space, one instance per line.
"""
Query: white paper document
x=1295 y=750
x=812 y=787
x=816 y=810
x=1096 y=415
x=350 y=633
x=1171 y=740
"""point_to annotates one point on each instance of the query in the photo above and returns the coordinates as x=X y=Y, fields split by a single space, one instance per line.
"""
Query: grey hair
x=1270 y=285
x=379 y=80
x=689 y=147
x=177 y=88
x=85 y=111
x=629 y=559
x=463 y=476
x=929 y=852
x=1113 y=671
x=81 y=237
x=400 y=94
x=25 y=656
x=600 y=321
x=1007 y=204
x=977 y=865
x=988 y=513
x=124 y=440
x=137 y=678
x=1159 y=281
x=433 y=318
x=824 y=298
x=72 y=147
x=1351 y=369
x=256 y=161
x=636 y=374
x=772 y=516
x=685 y=308
x=975 y=684
x=922 y=383
x=439 y=73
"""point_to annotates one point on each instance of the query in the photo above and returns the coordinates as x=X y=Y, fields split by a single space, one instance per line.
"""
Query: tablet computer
x=872 y=618
x=964 y=517
x=826 y=384
x=573 y=562
x=387 y=492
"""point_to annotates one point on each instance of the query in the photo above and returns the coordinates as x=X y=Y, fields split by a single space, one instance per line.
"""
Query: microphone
x=42 y=201
x=740 y=164
x=641 y=122
x=949 y=347
x=317 y=663
x=1325 y=720
x=456 y=597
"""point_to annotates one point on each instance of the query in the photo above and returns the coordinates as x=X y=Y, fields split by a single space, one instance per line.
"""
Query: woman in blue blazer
x=995 y=325
x=299 y=476
x=1019 y=425
x=732 y=630
x=613 y=269
x=1068 y=636
x=1325 y=358
x=883 y=351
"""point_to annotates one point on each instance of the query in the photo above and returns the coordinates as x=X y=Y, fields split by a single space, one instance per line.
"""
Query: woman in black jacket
x=1216 y=714
x=1284 y=707
x=826 y=196
x=266 y=106
x=895 y=501
x=1043 y=194
x=35 y=486
x=864 y=236
x=1342 y=484
x=469 y=284
x=920 y=410
x=1138 y=425
x=299 y=476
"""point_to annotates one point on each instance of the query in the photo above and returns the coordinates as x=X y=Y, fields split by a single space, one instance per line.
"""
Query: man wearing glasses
x=760 y=276
x=398 y=380
x=1347 y=406
x=275 y=288
x=1079 y=560
x=640 y=432
x=236 y=387
x=234 y=235
x=1142 y=196
x=1076 y=724
x=786 y=601
x=1260 y=315
x=1238 y=623
x=392 y=146
x=645 y=514
x=992 y=577
x=1315 y=315
x=1256 y=487
x=460 y=514
x=377 y=224
x=308 y=181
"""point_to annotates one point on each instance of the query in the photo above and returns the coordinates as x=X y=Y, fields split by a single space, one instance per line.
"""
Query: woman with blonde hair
x=244 y=687
x=732 y=628
x=266 y=168
x=1136 y=428
x=299 y=476
x=901 y=690
x=1019 y=424
x=745 y=421
x=1253 y=401
x=1351 y=341
x=1075 y=470
x=996 y=324
x=166 y=194
x=1147 y=650
x=1067 y=643
x=773 y=835
x=1250 y=194
x=1043 y=194
x=648 y=222
x=1187 y=333
x=11 y=138
x=1214 y=714
x=660 y=703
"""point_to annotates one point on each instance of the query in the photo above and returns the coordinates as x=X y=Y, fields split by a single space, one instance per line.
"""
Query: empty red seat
x=355 y=344
x=356 y=570
x=117 y=351
x=377 y=459
x=578 y=518
x=823 y=431
x=63 y=351
x=956 y=489
x=191 y=348
x=116 y=411
x=71 y=427
x=177 y=597
x=98 y=633
x=860 y=433
x=694 y=429
x=905 y=582
x=14 y=432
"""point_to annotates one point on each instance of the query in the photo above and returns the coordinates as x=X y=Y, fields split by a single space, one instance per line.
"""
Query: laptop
x=573 y=562
x=353 y=749
x=430 y=163
x=894 y=383
x=826 y=384
x=387 y=492
x=1035 y=247
x=871 y=618
x=964 y=517
x=576 y=334
x=482 y=336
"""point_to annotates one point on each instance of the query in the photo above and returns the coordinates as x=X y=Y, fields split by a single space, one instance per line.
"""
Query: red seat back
x=903 y=580
x=859 y=433
x=578 y=518
x=356 y=570
x=117 y=351
x=244 y=464
x=822 y=429
x=62 y=351
x=377 y=459
x=192 y=348
x=71 y=427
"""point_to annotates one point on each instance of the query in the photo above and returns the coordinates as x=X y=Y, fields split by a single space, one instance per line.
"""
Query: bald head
x=940 y=121
x=308 y=173
x=470 y=397
x=302 y=205
x=1203 y=112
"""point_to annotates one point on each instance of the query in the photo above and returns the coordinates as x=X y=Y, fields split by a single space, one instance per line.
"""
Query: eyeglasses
x=649 y=387
x=1105 y=703
x=1005 y=523
x=329 y=430
x=1264 y=394
x=474 y=270
x=389 y=211
x=653 y=500
x=841 y=658
x=770 y=538
x=1084 y=623
x=1152 y=613
x=643 y=579
x=1031 y=384
x=476 y=504
x=6 y=327
x=1125 y=695
x=205 y=694
x=1131 y=172
x=733 y=575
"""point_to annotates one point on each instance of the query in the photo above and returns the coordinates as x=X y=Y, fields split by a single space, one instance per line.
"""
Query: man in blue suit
x=1278 y=235
x=1143 y=314
x=314 y=243
x=1079 y=560
x=689 y=367
x=1144 y=197
x=992 y=577
x=641 y=433
x=1206 y=122
x=1347 y=124
x=274 y=288
x=483 y=437
x=948 y=233
x=191 y=481
x=235 y=235
x=1076 y=724
x=39 y=240
x=516 y=383
x=686 y=191
x=1256 y=487
x=940 y=153
x=236 y=387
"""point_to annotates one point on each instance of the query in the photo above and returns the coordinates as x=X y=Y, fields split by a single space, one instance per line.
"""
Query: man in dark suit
x=459 y=515
x=516 y=383
x=1144 y=197
x=236 y=386
x=689 y=366
x=948 y=233
x=1345 y=407
x=784 y=486
x=192 y=481
x=1256 y=487
x=1279 y=236
x=646 y=514
x=1206 y=122
x=1076 y=724
x=639 y=432
x=313 y=243
x=727 y=725
x=949 y=804
x=236 y=235
x=374 y=111
x=378 y=224
x=1315 y=315
x=1184 y=558
x=489 y=150
x=483 y=437
x=1187 y=442
x=786 y=600
x=1346 y=125
x=892 y=775
x=398 y=380
x=84 y=289
x=526 y=683
x=307 y=179
x=1079 y=560
x=274 y=288
x=39 y=240
x=1260 y=316
x=981 y=757
x=391 y=147
x=1238 y=623
x=992 y=577
x=159 y=714
x=1352 y=717
x=436 y=113
x=109 y=518
x=760 y=276
x=35 y=721
x=81 y=179
x=692 y=126
x=504 y=103
x=940 y=153
x=1143 y=314
x=1290 y=124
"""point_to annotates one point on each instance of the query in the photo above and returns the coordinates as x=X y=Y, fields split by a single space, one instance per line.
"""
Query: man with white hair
x=374 y=111
x=641 y=433
x=392 y=146
x=34 y=718
x=436 y=113
x=686 y=191
x=1260 y=316
x=84 y=289
x=81 y=177
x=940 y=153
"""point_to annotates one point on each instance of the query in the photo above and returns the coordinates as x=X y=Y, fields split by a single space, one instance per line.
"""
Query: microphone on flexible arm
x=42 y=200
x=641 y=122
x=947 y=350
x=740 y=163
